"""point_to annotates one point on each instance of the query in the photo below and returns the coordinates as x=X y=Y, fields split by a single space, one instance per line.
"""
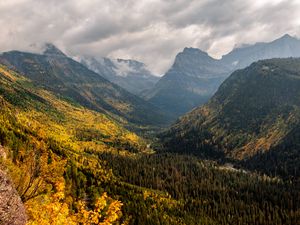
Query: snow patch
x=122 y=68
x=235 y=62
x=265 y=68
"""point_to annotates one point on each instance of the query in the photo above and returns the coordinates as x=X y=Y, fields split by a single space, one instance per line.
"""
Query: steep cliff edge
x=12 y=210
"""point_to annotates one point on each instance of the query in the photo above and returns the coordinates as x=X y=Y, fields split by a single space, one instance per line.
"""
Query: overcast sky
x=152 y=31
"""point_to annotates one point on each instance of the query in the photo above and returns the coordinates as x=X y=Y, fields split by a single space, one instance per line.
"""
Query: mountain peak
x=193 y=54
x=131 y=62
x=190 y=50
x=287 y=36
x=51 y=49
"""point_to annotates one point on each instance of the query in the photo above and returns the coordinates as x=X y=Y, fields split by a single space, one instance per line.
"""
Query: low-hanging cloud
x=152 y=31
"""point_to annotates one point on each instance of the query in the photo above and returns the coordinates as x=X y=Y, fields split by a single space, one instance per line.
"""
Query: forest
x=73 y=165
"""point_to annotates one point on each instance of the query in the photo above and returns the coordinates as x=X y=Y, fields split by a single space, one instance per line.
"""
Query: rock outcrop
x=12 y=211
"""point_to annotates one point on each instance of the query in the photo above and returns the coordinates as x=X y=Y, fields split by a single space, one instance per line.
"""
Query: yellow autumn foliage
x=106 y=212
x=50 y=209
x=38 y=172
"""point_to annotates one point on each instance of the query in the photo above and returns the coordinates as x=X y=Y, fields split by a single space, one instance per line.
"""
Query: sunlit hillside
x=49 y=144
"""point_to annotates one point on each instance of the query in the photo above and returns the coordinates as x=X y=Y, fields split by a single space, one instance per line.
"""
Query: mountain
x=190 y=82
x=285 y=46
x=131 y=75
x=52 y=50
x=56 y=72
x=195 y=76
x=254 y=114
x=72 y=165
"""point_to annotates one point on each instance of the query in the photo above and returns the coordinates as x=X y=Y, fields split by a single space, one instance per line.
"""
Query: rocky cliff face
x=12 y=211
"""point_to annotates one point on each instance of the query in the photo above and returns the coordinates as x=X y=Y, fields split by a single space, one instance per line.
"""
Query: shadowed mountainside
x=255 y=111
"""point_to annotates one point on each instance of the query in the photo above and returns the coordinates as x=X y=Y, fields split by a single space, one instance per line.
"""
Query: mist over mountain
x=63 y=155
x=131 y=75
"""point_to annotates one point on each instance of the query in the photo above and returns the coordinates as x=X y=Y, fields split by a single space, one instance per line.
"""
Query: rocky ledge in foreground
x=12 y=210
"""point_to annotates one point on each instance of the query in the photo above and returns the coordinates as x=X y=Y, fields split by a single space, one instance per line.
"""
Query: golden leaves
x=106 y=212
x=50 y=209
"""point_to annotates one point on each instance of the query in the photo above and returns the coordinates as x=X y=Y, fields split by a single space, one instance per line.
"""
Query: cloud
x=152 y=31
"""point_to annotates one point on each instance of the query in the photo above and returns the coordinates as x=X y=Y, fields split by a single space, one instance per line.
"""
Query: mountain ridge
x=69 y=78
x=195 y=76
x=282 y=47
x=51 y=49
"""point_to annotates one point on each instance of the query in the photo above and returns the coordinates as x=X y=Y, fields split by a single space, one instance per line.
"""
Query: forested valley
x=79 y=164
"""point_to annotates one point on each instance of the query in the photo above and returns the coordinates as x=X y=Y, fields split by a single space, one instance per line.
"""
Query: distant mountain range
x=195 y=76
x=254 y=116
x=286 y=46
x=128 y=74
x=56 y=72
x=118 y=86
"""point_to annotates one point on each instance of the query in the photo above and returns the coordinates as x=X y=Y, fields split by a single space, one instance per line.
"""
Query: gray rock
x=12 y=211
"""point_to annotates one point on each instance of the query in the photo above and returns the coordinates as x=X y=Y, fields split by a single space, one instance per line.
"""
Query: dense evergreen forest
x=203 y=192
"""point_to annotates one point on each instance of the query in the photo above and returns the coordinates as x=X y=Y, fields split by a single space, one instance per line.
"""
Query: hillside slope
x=68 y=78
x=51 y=148
x=255 y=111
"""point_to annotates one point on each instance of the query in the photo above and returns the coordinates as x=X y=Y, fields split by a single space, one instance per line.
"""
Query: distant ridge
x=195 y=76
x=131 y=75
x=283 y=47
